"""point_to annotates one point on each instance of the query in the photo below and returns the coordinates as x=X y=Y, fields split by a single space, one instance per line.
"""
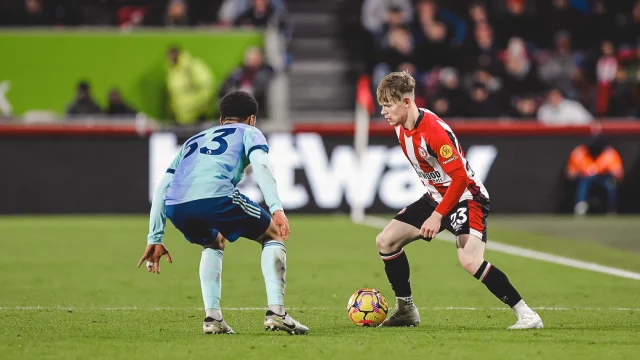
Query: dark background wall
x=110 y=174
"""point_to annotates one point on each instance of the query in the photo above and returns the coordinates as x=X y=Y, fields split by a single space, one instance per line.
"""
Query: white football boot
x=404 y=314
x=286 y=323
x=527 y=320
x=213 y=326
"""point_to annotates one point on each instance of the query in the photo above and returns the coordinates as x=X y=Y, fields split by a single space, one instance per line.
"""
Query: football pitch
x=69 y=288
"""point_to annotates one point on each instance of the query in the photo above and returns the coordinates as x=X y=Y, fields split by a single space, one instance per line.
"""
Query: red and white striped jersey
x=434 y=152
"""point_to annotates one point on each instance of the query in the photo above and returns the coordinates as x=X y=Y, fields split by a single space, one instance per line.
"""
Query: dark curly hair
x=238 y=105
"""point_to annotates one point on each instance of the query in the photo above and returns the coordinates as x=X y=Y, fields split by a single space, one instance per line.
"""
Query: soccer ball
x=367 y=307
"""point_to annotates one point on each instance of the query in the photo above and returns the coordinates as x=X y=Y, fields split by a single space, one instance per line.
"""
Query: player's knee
x=385 y=243
x=271 y=235
x=217 y=244
x=469 y=262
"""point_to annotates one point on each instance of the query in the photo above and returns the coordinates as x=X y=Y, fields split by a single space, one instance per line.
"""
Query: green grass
x=87 y=264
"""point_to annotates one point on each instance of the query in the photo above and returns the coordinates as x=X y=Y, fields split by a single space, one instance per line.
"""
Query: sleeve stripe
x=171 y=171
x=264 y=148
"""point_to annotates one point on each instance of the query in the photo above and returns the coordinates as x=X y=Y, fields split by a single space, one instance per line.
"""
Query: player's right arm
x=157 y=221
x=451 y=162
x=158 y=215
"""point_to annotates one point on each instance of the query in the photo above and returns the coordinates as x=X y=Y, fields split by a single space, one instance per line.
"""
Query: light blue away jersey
x=211 y=163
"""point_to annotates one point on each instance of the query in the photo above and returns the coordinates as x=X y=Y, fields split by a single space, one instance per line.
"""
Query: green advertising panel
x=43 y=67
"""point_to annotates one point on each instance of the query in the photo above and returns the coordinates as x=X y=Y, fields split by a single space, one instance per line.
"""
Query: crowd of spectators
x=562 y=61
x=189 y=97
x=132 y=13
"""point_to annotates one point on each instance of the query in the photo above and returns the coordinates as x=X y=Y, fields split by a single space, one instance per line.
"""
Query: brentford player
x=455 y=200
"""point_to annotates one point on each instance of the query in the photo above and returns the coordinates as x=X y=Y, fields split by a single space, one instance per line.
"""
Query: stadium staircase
x=323 y=77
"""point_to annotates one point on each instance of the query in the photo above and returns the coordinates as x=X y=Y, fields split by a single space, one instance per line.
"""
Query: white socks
x=214 y=313
x=274 y=269
x=522 y=308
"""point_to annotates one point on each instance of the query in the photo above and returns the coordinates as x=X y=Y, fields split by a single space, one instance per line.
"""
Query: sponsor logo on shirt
x=423 y=152
x=446 y=151
x=450 y=160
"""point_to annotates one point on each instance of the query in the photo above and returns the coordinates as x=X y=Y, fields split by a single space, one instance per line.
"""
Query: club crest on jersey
x=446 y=151
x=423 y=152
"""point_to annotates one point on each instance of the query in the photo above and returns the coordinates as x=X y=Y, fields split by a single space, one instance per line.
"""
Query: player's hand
x=282 y=223
x=152 y=255
x=431 y=227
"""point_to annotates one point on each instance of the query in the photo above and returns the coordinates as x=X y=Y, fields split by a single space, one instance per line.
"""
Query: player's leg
x=581 y=206
x=256 y=224
x=211 y=285
x=471 y=256
x=471 y=237
x=608 y=182
x=390 y=243
x=402 y=230
x=274 y=270
x=193 y=219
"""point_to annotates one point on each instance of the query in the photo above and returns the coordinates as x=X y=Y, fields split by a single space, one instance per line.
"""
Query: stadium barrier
x=114 y=169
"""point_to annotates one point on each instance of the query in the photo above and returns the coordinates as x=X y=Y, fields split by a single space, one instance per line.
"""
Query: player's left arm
x=451 y=162
x=257 y=151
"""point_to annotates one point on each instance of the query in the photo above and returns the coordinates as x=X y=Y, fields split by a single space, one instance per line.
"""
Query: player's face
x=395 y=113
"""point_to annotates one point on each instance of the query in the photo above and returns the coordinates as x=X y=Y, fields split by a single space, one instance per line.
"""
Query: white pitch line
x=449 y=308
x=379 y=223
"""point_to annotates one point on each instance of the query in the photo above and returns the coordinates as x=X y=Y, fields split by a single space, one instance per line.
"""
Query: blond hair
x=394 y=86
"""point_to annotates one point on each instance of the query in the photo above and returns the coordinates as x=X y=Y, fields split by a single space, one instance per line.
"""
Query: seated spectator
x=136 y=13
x=208 y=13
x=517 y=21
x=229 y=10
x=520 y=73
x=492 y=83
x=253 y=77
x=434 y=50
x=375 y=13
x=524 y=108
x=440 y=106
x=428 y=12
x=601 y=24
x=26 y=13
x=606 y=69
x=190 y=86
x=585 y=93
x=482 y=104
x=131 y=16
x=563 y=17
x=595 y=162
x=83 y=103
x=450 y=98
x=260 y=14
x=400 y=51
x=177 y=13
x=621 y=102
x=117 y=106
x=478 y=14
x=395 y=19
x=557 y=71
x=560 y=111
x=481 y=51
